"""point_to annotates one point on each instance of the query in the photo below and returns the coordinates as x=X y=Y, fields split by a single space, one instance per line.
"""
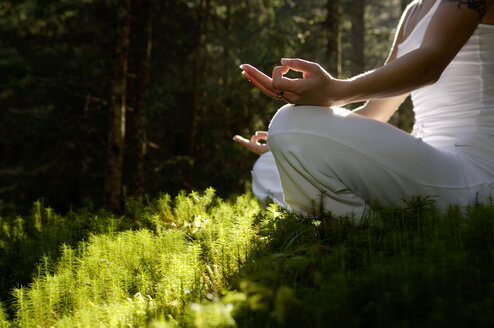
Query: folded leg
x=347 y=161
x=266 y=183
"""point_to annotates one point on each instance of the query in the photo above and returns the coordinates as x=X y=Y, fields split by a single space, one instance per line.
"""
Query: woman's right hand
x=253 y=144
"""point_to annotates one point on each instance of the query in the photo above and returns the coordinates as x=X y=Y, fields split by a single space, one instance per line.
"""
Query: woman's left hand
x=262 y=82
x=316 y=87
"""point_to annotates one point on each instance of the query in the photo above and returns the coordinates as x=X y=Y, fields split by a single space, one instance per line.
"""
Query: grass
x=199 y=261
x=401 y=267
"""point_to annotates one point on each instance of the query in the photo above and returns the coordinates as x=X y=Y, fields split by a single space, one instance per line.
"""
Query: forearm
x=412 y=71
x=381 y=109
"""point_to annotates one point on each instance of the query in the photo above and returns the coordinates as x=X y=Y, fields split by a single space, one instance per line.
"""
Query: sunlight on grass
x=168 y=254
x=199 y=261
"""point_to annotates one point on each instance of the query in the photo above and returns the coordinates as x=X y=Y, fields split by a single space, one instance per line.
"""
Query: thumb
x=300 y=65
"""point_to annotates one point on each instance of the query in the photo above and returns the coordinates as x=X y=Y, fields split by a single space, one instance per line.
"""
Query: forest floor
x=196 y=260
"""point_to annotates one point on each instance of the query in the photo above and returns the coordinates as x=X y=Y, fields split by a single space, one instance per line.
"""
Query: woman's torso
x=457 y=112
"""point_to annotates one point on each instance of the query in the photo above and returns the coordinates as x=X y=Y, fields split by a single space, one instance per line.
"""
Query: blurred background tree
x=183 y=96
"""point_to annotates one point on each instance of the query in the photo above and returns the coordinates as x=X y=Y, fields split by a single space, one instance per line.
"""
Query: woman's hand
x=316 y=87
x=262 y=82
x=253 y=144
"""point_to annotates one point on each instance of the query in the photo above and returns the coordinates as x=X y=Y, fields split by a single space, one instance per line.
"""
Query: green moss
x=196 y=260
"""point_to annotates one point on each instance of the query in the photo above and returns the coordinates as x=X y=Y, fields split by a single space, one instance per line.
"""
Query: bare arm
x=383 y=109
x=451 y=27
x=386 y=87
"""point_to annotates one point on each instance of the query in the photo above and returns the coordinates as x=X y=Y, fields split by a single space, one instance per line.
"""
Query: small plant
x=196 y=260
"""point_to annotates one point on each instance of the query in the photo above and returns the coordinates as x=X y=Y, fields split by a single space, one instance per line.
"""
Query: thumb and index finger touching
x=260 y=135
x=299 y=65
x=253 y=144
x=295 y=64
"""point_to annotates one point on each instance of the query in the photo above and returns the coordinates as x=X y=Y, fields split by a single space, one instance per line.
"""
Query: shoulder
x=405 y=18
x=451 y=26
x=483 y=8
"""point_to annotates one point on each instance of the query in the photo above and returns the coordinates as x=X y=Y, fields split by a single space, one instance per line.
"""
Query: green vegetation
x=56 y=64
x=200 y=261
x=196 y=260
x=145 y=266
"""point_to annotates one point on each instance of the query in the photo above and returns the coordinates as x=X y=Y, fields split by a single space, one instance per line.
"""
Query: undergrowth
x=196 y=260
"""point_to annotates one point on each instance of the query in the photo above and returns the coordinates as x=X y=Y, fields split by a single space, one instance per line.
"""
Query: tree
x=357 y=39
x=137 y=93
x=118 y=108
x=189 y=93
x=333 y=45
x=202 y=9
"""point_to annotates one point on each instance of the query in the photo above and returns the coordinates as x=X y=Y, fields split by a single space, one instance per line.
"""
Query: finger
x=261 y=81
x=263 y=135
x=257 y=74
x=300 y=65
x=242 y=141
x=281 y=82
x=282 y=70
x=252 y=146
x=267 y=90
x=255 y=139
x=291 y=97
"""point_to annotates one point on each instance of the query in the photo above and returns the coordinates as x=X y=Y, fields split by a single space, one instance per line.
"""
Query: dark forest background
x=105 y=99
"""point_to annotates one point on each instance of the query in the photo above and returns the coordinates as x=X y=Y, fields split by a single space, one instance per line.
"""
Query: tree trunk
x=116 y=132
x=358 y=41
x=138 y=80
x=333 y=46
x=195 y=88
x=143 y=78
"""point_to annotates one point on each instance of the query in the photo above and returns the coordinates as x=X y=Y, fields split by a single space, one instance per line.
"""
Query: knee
x=281 y=120
x=280 y=126
x=288 y=121
x=308 y=119
x=292 y=121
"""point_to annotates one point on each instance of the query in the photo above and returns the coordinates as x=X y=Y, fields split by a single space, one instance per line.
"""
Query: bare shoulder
x=484 y=8
x=405 y=20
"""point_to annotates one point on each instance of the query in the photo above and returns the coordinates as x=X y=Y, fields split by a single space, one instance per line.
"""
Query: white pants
x=266 y=183
x=346 y=161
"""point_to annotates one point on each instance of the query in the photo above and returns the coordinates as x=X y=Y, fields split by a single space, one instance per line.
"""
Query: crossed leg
x=347 y=161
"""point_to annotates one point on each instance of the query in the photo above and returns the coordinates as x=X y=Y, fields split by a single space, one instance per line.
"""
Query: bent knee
x=305 y=119
x=280 y=119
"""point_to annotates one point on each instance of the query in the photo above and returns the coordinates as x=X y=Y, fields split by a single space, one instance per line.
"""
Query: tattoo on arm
x=478 y=5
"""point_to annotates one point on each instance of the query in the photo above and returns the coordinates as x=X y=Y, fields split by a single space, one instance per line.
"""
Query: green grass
x=200 y=261
x=401 y=267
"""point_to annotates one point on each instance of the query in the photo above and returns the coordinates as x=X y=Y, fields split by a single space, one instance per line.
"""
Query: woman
x=443 y=54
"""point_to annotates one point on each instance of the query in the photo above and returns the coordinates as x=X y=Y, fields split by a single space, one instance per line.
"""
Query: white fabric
x=352 y=161
x=414 y=39
x=266 y=183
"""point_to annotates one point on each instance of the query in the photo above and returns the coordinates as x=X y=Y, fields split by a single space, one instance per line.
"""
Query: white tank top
x=457 y=112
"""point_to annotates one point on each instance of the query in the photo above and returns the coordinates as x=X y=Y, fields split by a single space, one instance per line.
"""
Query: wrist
x=339 y=92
